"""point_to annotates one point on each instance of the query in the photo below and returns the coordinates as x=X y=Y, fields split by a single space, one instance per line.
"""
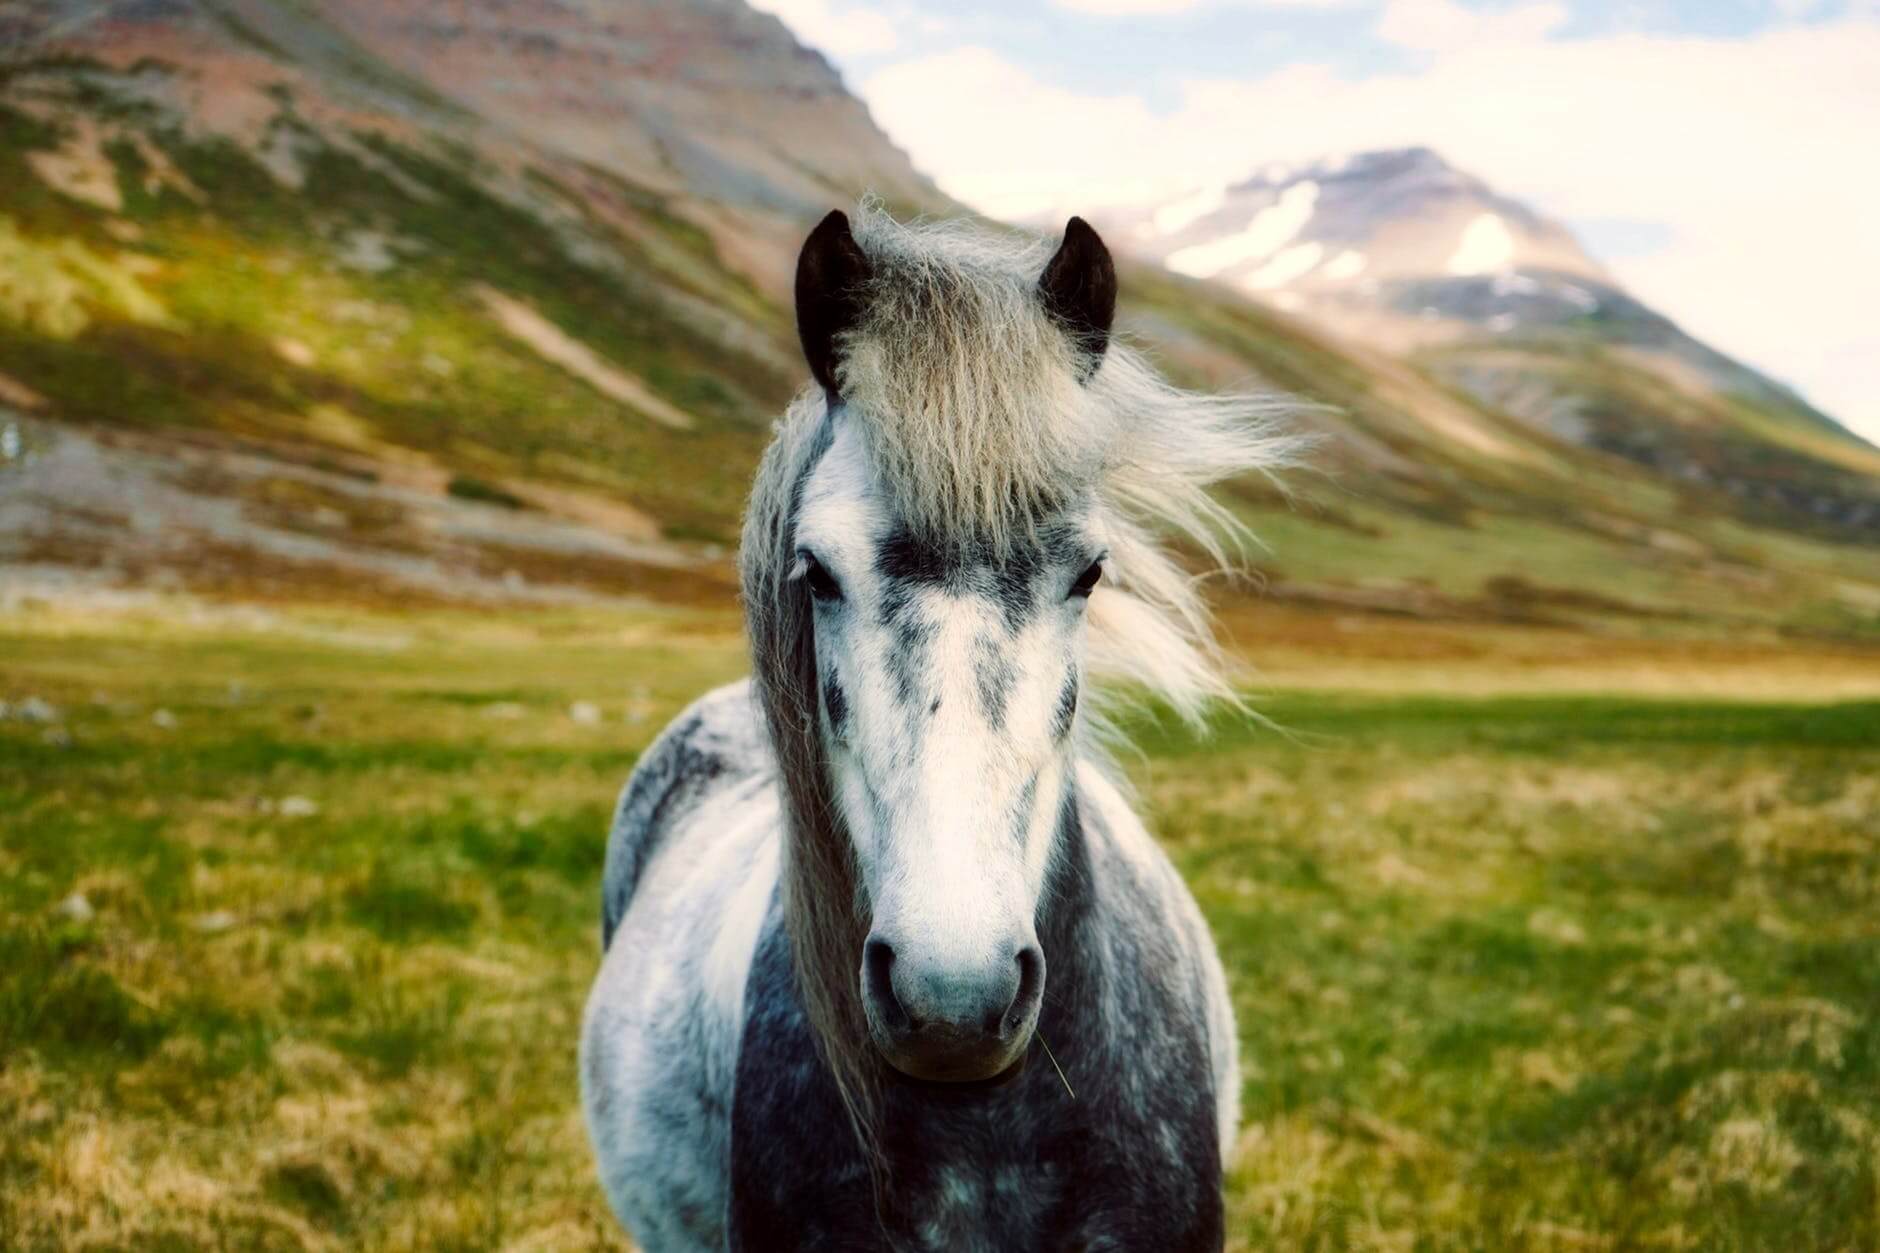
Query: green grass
x=1515 y=972
x=263 y=333
x=1543 y=972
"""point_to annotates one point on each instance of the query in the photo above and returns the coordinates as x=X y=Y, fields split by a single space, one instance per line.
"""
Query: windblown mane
x=980 y=414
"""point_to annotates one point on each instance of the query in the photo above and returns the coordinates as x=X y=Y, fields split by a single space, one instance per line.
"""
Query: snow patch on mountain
x=1295 y=262
x=1271 y=229
x=1486 y=246
x=1579 y=296
x=1348 y=264
x=1179 y=214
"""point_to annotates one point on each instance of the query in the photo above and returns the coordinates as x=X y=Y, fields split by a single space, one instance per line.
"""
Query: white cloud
x=1445 y=25
x=1114 y=8
x=991 y=134
x=1757 y=153
x=849 y=31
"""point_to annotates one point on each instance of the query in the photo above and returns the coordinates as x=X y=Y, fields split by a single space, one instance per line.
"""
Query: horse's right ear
x=830 y=272
x=1078 y=287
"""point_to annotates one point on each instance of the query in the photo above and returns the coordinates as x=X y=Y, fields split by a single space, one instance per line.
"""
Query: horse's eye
x=822 y=584
x=1087 y=580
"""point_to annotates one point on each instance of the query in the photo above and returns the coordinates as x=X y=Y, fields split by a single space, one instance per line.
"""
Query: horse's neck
x=1068 y=922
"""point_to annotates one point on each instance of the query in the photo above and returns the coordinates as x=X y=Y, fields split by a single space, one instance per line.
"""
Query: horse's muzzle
x=950 y=1024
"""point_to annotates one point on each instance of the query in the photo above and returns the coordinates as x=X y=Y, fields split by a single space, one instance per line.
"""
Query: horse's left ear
x=1079 y=291
x=830 y=272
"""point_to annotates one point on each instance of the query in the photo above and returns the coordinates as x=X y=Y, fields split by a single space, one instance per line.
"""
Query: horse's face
x=950 y=684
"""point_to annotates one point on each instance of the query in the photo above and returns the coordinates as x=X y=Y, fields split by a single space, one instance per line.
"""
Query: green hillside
x=347 y=311
x=276 y=315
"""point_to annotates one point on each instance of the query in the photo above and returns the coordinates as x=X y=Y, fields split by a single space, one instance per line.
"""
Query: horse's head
x=950 y=679
x=955 y=527
x=949 y=661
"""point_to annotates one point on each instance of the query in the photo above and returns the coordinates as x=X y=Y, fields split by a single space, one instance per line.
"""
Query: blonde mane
x=981 y=415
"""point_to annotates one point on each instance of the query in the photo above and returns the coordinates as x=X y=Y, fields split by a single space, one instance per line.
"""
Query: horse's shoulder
x=1156 y=897
x=1117 y=833
x=718 y=737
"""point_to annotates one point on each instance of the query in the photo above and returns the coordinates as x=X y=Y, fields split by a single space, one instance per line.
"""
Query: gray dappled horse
x=849 y=903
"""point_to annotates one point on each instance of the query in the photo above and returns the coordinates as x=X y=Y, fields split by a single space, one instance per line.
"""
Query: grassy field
x=298 y=911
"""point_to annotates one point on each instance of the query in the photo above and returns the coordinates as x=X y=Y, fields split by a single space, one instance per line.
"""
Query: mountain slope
x=415 y=298
x=1400 y=250
x=279 y=225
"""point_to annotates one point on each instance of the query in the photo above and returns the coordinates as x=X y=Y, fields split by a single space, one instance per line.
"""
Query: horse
x=889 y=962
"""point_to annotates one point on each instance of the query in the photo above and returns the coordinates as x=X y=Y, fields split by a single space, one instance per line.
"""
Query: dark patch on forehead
x=994 y=675
x=905 y=558
x=1015 y=585
x=897 y=599
x=1012 y=577
x=835 y=705
x=907 y=660
x=1066 y=712
x=1059 y=543
x=1021 y=810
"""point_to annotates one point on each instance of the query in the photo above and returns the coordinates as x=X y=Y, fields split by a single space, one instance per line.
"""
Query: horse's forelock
x=965 y=388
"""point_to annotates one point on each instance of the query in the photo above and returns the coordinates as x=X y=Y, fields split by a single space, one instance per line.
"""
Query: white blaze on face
x=945 y=689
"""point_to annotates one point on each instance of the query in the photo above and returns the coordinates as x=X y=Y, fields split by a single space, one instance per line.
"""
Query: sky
x=1722 y=157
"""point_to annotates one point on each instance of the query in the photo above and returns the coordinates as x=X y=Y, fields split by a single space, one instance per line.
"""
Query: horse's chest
x=1027 y=1173
x=1024 y=1169
x=981 y=1206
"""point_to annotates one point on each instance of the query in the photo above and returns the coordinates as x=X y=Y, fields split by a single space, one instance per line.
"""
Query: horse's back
x=691 y=866
x=716 y=741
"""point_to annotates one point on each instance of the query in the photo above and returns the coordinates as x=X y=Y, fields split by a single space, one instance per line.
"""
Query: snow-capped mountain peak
x=1353 y=234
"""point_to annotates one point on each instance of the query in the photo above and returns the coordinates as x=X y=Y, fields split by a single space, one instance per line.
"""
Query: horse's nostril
x=878 y=979
x=1030 y=988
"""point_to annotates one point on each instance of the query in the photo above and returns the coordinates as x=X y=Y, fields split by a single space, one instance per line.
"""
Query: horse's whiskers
x=1054 y=1064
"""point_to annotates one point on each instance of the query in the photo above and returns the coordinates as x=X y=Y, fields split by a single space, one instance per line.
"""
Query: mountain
x=529 y=253
x=1400 y=250
x=405 y=299
x=1394 y=243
